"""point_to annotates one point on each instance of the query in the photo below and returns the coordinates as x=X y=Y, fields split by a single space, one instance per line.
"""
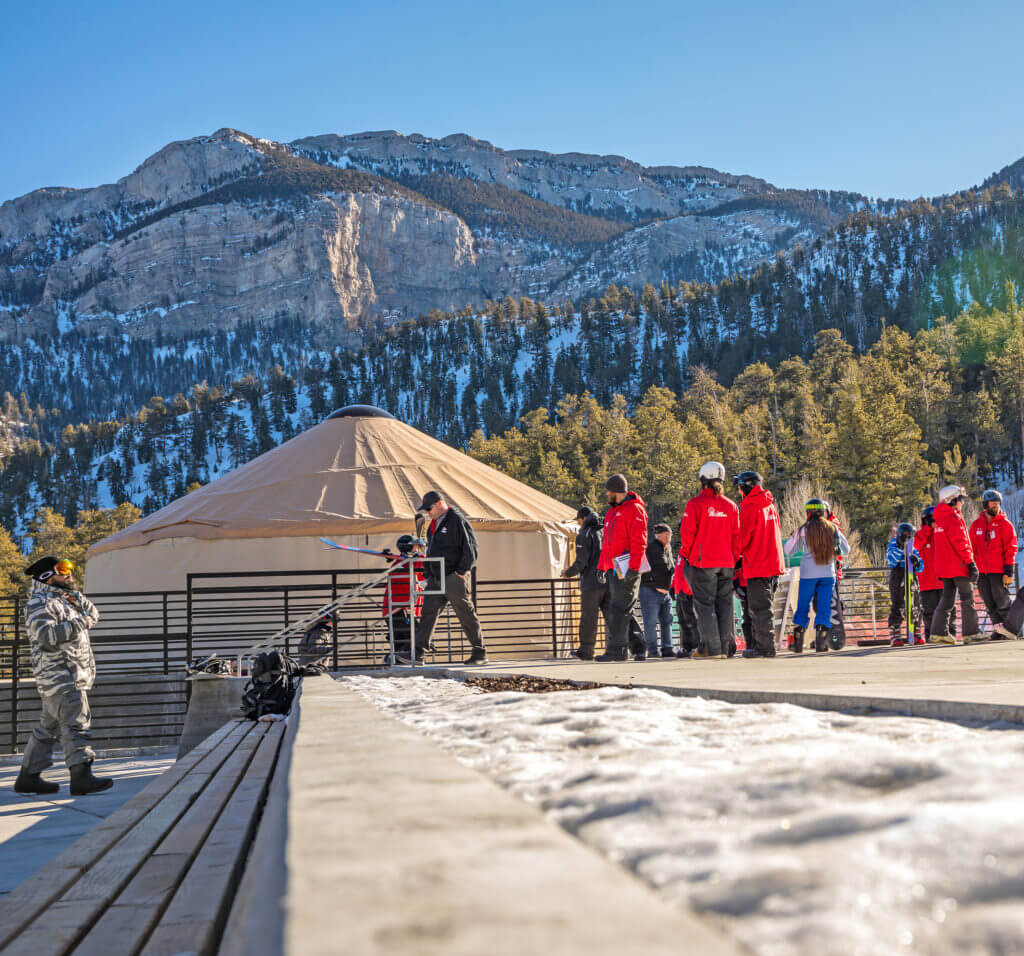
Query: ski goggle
x=814 y=509
x=63 y=567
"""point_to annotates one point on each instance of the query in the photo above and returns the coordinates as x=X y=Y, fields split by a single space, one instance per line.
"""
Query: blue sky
x=891 y=99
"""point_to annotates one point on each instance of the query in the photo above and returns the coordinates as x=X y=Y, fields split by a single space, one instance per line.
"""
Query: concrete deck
x=980 y=682
x=33 y=830
x=392 y=846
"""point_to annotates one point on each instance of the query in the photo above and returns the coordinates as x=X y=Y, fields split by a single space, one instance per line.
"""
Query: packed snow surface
x=798 y=831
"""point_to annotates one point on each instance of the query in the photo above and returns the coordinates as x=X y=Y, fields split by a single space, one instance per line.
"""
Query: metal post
x=334 y=617
x=14 y=675
x=166 y=648
x=554 y=622
x=874 y=628
x=287 y=639
x=188 y=633
x=412 y=613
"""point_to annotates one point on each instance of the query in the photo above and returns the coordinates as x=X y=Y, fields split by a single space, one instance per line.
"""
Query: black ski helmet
x=928 y=515
x=406 y=543
x=746 y=480
x=815 y=506
x=903 y=531
x=991 y=494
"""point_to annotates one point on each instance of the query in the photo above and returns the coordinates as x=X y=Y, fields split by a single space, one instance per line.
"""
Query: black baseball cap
x=430 y=499
x=659 y=528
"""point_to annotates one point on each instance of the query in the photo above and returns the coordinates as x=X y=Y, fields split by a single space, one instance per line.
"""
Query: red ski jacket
x=625 y=529
x=679 y=583
x=709 y=531
x=952 y=544
x=760 y=538
x=995 y=544
x=924 y=541
x=396 y=587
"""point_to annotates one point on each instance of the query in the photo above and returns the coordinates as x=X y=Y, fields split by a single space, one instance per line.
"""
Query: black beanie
x=617 y=484
x=584 y=512
x=42 y=570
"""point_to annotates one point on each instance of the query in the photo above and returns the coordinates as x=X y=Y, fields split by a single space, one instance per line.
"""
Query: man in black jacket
x=594 y=595
x=451 y=537
x=656 y=593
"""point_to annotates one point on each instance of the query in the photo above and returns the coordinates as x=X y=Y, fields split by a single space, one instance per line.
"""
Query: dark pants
x=929 y=602
x=456 y=592
x=593 y=602
x=656 y=609
x=623 y=629
x=65 y=715
x=996 y=596
x=712 y=601
x=688 y=637
x=746 y=624
x=758 y=606
x=1015 y=615
x=951 y=587
x=898 y=601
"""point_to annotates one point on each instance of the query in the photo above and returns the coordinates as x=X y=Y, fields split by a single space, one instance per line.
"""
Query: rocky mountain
x=353 y=232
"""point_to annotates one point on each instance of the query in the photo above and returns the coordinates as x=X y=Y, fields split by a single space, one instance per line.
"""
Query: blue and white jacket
x=895 y=557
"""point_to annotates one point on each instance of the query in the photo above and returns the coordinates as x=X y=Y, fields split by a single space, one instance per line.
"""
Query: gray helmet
x=990 y=494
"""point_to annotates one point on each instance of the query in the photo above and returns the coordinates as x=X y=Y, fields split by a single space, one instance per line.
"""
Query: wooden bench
x=158 y=875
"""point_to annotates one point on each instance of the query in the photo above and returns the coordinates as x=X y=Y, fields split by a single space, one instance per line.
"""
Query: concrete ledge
x=392 y=846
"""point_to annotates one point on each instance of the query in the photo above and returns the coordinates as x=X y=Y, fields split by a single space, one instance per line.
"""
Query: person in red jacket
x=954 y=564
x=688 y=638
x=397 y=603
x=928 y=582
x=708 y=538
x=625 y=538
x=759 y=548
x=994 y=542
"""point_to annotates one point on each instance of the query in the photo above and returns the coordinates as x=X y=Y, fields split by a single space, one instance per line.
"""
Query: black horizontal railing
x=144 y=640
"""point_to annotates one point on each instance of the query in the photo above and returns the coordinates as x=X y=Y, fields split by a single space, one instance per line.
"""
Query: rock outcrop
x=351 y=231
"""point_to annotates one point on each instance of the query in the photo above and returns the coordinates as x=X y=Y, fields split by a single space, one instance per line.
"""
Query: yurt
x=357 y=479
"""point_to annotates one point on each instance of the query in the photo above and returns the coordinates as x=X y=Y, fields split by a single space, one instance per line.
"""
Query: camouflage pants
x=65 y=715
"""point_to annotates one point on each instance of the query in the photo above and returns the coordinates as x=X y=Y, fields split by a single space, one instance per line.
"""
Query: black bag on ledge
x=271 y=685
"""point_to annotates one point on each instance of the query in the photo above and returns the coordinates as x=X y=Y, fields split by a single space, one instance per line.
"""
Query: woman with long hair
x=817 y=542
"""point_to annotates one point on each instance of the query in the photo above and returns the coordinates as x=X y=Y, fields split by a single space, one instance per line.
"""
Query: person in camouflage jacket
x=59 y=619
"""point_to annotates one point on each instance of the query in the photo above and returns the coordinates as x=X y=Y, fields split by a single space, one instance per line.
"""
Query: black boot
x=83 y=782
x=820 y=639
x=798 y=640
x=608 y=656
x=33 y=783
x=477 y=656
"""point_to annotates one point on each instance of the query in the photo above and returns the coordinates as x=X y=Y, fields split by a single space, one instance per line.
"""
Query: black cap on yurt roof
x=359 y=411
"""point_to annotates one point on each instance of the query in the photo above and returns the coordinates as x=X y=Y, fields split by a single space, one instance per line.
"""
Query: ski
x=350 y=547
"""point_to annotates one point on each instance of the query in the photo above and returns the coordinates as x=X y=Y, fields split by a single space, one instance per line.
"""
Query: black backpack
x=271 y=685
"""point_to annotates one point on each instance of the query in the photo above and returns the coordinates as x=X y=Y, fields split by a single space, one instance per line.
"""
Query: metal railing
x=145 y=640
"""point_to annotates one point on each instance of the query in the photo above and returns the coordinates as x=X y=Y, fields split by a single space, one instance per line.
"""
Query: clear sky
x=899 y=98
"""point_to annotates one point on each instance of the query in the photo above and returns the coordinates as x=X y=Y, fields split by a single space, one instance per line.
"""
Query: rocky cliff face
x=346 y=231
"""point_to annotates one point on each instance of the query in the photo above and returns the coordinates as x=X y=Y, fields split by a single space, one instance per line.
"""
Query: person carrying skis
x=928 y=582
x=689 y=640
x=625 y=538
x=899 y=577
x=397 y=603
x=593 y=584
x=994 y=542
x=817 y=541
x=708 y=538
x=761 y=560
x=954 y=564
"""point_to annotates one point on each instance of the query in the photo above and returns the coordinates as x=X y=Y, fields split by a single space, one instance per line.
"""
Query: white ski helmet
x=712 y=471
x=950 y=493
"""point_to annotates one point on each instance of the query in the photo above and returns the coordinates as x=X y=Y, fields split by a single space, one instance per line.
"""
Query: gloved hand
x=972 y=572
x=630 y=577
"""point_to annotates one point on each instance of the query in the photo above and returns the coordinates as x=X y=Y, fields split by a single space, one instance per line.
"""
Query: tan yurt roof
x=360 y=471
